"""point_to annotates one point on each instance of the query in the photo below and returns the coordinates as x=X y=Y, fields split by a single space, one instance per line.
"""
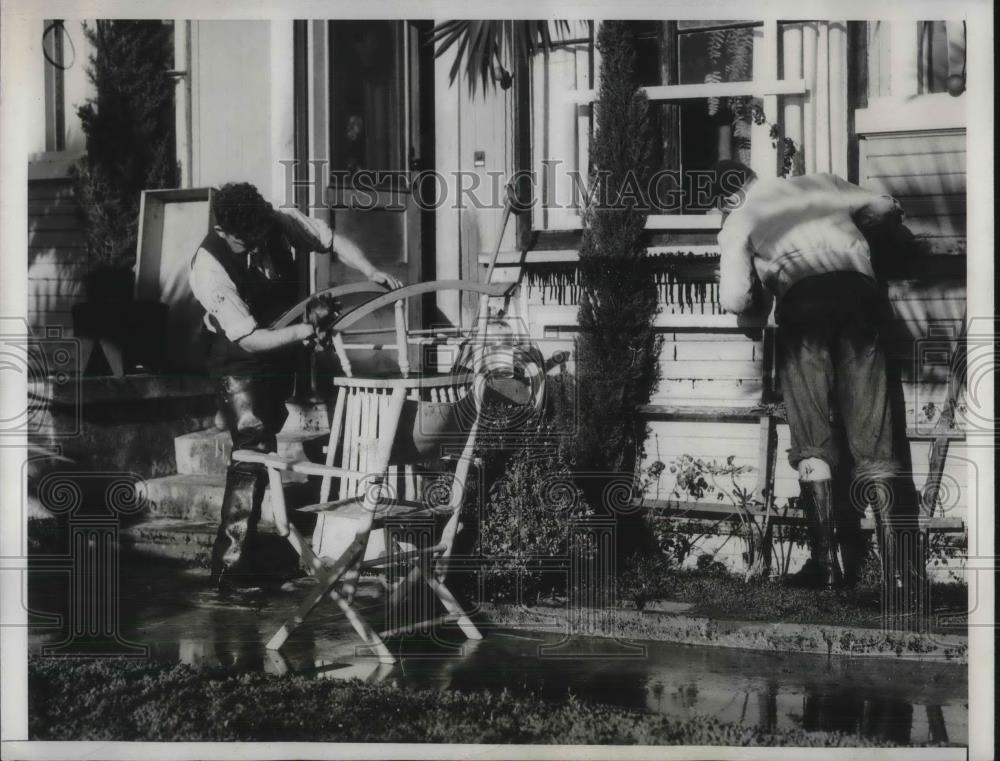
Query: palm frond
x=486 y=48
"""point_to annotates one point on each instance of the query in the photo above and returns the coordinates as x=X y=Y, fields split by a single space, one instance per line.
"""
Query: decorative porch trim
x=756 y=88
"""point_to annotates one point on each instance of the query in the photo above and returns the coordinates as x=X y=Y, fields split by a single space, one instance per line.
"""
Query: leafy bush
x=529 y=518
x=532 y=504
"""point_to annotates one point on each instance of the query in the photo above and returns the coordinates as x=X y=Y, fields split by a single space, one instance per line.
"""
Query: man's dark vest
x=266 y=299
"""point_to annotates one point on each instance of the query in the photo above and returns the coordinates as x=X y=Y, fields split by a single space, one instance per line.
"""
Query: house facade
x=298 y=107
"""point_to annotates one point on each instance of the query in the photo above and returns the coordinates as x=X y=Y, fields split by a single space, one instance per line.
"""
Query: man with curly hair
x=244 y=275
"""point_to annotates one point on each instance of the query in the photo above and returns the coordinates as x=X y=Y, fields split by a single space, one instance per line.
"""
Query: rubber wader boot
x=822 y=570
x=241 y=508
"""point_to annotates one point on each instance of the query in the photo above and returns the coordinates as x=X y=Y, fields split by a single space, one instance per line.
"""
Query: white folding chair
x=382 y=431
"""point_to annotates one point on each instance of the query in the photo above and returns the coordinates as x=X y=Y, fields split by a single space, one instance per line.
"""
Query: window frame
x=764 y=85
x=905 y=108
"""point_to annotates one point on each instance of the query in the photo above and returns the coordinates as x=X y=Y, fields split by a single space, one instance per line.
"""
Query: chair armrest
x=307 y=467
x=319 y=469
x=270 y=459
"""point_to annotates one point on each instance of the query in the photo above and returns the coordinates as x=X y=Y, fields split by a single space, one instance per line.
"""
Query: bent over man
x=800 y=239
x=243 y=274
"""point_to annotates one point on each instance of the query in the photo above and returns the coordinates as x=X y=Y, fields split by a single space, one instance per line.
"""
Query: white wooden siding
x=56 y=255
x=926 y=172
x=231 y=109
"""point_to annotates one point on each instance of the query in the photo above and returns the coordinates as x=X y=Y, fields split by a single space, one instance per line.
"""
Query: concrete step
x=181 y=540
x=172 y=538
x=207 y=452
x=198 y=497
x=203 y=452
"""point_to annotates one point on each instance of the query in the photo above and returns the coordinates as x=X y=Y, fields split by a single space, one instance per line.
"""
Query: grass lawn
x=727 y=597
x=141 y=700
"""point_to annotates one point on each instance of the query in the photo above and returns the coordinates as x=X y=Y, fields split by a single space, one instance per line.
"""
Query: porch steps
x=198 y=497
x=183 y=509
x=183 y=516
x=188 y=542
x=175 y=539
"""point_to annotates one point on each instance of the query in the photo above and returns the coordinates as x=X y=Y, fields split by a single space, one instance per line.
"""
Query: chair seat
x=354 y=508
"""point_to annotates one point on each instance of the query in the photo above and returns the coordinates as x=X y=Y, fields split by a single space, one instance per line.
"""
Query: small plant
x=646 y=578
x=698 y=478
x=943 y=550
x=787 y=536
x=648 y=477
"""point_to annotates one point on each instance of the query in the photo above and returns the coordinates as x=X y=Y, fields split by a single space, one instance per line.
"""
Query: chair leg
x=402 y=588
x=325 y=579
x=311 y=601
x=397 y=595
x=451 y=604
x=366 y=632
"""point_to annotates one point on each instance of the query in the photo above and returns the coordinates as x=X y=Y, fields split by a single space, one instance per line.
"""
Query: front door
x=378 y=141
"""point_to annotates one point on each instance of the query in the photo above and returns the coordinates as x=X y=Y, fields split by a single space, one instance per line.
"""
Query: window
x=367 y=99
x=691 y=135
x=706 y=82
x=60 y=51
x=907 y=58
x=940 y=57
x=915 y=76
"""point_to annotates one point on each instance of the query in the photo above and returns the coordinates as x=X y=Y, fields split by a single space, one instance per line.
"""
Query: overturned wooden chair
x=384 y=433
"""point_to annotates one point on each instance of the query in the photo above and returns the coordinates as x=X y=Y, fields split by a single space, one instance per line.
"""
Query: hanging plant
x=788 y=147
x=730 y=55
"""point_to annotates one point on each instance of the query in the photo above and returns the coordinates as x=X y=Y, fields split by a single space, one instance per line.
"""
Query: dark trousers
x=254 y=409
x=832 y=360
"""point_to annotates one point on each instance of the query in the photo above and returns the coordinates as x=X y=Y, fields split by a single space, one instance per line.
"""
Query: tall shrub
x=129 y=126
x=618 y=350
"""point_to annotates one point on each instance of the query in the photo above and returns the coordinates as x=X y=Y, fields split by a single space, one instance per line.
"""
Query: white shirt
x=789 y=229
x=217 y=293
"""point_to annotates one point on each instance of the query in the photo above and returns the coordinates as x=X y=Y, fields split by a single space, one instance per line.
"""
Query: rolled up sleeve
x=217 y=294
x=735 y=268
x=304 y=232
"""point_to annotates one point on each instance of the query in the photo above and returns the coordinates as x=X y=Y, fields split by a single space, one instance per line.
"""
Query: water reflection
x=899 y=701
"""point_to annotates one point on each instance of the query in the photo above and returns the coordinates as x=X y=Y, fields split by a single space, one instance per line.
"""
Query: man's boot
x=822 y=570
x=241 y=508
x=902 y=546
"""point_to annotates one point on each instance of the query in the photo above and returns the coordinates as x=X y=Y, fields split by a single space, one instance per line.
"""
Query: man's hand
x=384 y=278
x=322 y=312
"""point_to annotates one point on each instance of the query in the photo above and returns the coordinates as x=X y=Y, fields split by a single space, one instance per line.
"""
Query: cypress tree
x=618 y=350
x=129 y=126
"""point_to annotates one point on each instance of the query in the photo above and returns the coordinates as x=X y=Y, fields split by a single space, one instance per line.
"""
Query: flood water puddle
x=900 y=701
